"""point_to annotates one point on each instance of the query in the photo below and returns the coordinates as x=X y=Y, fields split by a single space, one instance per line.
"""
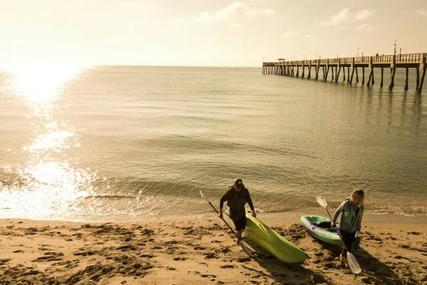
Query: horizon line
x=2 y=65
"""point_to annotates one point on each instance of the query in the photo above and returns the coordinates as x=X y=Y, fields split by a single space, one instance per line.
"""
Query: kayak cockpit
x=320 y=228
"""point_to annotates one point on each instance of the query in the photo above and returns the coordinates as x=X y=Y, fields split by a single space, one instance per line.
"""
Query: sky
x=205 y=32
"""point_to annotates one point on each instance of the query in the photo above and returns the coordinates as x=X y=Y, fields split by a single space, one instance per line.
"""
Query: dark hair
x=238 y=182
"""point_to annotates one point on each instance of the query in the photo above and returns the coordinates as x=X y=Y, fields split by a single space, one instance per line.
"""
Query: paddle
x=228 y=225
x=351 y=259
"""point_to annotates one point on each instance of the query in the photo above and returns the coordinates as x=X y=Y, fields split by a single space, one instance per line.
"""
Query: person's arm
x=221 y=203
x=251 y=204
x=359 y=219
x=338 y=211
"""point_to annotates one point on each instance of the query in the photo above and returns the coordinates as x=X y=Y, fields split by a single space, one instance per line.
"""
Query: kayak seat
x=324 y=225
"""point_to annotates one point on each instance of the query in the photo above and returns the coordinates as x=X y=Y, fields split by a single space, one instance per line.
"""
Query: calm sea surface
x=130 y=142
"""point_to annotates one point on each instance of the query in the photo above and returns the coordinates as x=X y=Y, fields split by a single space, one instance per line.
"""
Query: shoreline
x=199 y=249
x=293 y=215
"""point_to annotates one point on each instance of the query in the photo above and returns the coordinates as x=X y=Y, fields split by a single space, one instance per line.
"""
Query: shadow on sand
x=375 y=271
x=280 y=272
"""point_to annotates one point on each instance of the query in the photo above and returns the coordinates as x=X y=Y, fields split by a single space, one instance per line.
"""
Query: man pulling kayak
x=237 y=197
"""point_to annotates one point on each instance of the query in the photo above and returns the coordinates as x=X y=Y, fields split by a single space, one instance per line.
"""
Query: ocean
x=129 y=142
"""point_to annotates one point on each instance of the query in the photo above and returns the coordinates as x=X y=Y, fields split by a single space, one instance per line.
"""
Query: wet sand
x=200 y=250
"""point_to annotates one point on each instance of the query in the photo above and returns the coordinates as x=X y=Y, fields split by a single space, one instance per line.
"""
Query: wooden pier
x=353 y=69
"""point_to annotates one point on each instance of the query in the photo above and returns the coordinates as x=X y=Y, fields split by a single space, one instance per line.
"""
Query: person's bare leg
x=239 y=236
x=343 y=258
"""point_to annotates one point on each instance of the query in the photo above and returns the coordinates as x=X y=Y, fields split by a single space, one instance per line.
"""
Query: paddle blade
x=353 y=264
x=322 y=202
x=201 y=194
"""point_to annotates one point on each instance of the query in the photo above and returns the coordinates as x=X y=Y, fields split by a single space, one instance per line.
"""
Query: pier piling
x=406 y=78
x=338 y=73
x=357 y=76
x=363 y=75
x=422 y=80
x=392 y=73
x=417 y=77
x=352 y=74
x=348 y=74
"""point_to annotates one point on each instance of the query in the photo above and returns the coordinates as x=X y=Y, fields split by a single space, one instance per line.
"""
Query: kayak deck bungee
x=328 y=235
x=273 y=242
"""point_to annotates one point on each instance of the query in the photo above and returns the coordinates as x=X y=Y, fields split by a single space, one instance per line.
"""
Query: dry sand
x=200 y=250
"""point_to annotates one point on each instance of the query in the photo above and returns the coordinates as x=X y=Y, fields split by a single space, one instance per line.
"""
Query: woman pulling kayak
x=237 y=197
x=351 y=211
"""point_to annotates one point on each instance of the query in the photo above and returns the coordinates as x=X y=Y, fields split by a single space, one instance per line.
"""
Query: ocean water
x=114 y=142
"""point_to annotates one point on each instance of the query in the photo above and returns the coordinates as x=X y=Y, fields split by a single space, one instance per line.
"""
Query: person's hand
x=333 y=224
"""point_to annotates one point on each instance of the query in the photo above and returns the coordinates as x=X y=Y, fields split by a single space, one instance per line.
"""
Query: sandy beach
x=200 y=250
x=126 y=127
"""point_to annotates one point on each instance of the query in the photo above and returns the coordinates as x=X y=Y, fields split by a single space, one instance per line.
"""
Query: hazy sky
x=210 y=32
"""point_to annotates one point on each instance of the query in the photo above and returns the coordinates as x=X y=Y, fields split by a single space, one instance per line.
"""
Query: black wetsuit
x=236 y=201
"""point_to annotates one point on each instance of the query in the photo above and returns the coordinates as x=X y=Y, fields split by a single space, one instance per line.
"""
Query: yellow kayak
x=273 y=242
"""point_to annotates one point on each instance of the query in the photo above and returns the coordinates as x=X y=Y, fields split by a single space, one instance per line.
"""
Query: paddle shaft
x=327 y=211
x=228 y=225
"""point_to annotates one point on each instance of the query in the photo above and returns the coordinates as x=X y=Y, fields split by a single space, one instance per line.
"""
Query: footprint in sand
x=210 y=255
x=208 y=276
x=49 y=256
x=126 y=247
x=225 y=250
x=147 y=255
x=30 y=231
x=243 y=259
x=84 y=252
x=179 y=258
x=227 y=266
x=4 y=260
x=67 y=263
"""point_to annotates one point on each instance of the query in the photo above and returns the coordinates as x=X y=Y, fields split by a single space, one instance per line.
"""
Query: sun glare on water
x=52 y=183
x=40 y=85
